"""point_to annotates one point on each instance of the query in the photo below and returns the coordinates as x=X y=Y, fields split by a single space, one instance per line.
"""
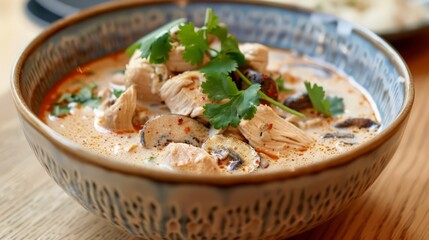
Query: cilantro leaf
x=241 y=105
x=121 y=71
x=218 y=86
x=220 y=32
x=281 y=84
x=60 y=111
x=157 y=38
x=85 y=97
x=160 y=49
x=230 y=47
x=211 y=22
x=336 y=105
x=194 y=42
x=93 y=103
x=325 y=105
x=65 y=97
x=84 y=94
x=117 y=93
x=221 y=64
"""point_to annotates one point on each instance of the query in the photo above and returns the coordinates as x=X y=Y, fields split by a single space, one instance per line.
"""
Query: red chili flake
x=180 y=121
x=270 y=126
x=187 y=129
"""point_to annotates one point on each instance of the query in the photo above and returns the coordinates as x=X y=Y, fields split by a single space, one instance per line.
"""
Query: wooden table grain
x=32 y=206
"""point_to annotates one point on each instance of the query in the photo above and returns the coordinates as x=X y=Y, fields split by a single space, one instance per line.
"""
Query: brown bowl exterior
x=166 y=205
x=153 y=209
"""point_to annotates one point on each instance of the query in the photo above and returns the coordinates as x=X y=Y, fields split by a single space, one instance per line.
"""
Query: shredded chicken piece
x=183 y=94
x=271 y=134
x=146 y=77
x=119 y=116
x=176 y=63
x=256 y=55
x=188 y=158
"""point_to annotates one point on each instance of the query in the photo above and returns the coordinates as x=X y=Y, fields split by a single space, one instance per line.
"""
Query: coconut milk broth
x=80 y=127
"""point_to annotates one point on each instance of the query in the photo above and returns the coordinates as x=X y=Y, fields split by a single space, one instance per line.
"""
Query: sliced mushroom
x=118 y=117
x=235 y=133
x=256 y=55
x=188 y=158
x=298 y=102
x=146 y=77
x=235 y=153
x=271 y=134
x=183 y=94
x=159 y=131
x=357 y=122
x=177 y=64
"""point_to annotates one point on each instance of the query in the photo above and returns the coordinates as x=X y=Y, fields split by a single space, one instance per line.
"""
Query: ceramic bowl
x=156 y=204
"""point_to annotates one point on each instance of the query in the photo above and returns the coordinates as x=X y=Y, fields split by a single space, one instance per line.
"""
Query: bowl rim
x=85 y=156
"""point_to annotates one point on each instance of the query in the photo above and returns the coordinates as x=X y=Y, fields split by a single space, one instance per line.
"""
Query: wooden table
x=32 y=206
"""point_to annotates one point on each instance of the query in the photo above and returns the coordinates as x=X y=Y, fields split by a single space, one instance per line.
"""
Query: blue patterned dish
x=156 y=204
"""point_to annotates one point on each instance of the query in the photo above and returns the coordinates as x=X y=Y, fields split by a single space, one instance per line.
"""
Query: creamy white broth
x=80 y=126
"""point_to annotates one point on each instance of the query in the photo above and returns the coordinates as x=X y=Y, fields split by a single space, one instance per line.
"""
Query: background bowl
x=157 y=204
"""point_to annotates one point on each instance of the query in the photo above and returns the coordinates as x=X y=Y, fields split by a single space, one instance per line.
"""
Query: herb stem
x=214 y=50
x=268 y=99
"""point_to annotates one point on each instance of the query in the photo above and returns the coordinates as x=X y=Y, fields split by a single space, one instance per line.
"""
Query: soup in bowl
x=211 y=120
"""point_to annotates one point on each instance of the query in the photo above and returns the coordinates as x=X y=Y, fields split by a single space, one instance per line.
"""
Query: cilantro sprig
x=156 y=45
x=86 y=97
x=328 y=106
x=234 y=104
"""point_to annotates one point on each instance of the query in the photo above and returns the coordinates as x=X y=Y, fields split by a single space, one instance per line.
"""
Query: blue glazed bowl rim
x=78 y=153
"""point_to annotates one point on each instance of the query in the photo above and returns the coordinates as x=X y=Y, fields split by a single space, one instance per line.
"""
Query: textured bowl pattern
x=155 y=210
x=167 y=210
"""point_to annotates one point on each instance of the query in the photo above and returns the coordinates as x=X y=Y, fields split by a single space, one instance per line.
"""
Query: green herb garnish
x=59 y=110
x=195 y=43
x=117 y=93
x=281 y=84
x=85 y=97
x=328 y=106
x=121 y=71
x=156 y=45
x=240 y=104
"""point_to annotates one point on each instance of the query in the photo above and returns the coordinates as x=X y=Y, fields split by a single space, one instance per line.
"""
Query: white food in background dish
x=380 y=16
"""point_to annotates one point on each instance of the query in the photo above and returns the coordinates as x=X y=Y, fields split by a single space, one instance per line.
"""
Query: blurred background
x=392 y=19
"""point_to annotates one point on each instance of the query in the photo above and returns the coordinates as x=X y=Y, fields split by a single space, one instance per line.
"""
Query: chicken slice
x=175 y=62
x=271 y=134
x=183 y=94
x=119 y=116
x=256 y=55
x=238 y=156
x=146 y=77
x=158 y=132
x=190 y=159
